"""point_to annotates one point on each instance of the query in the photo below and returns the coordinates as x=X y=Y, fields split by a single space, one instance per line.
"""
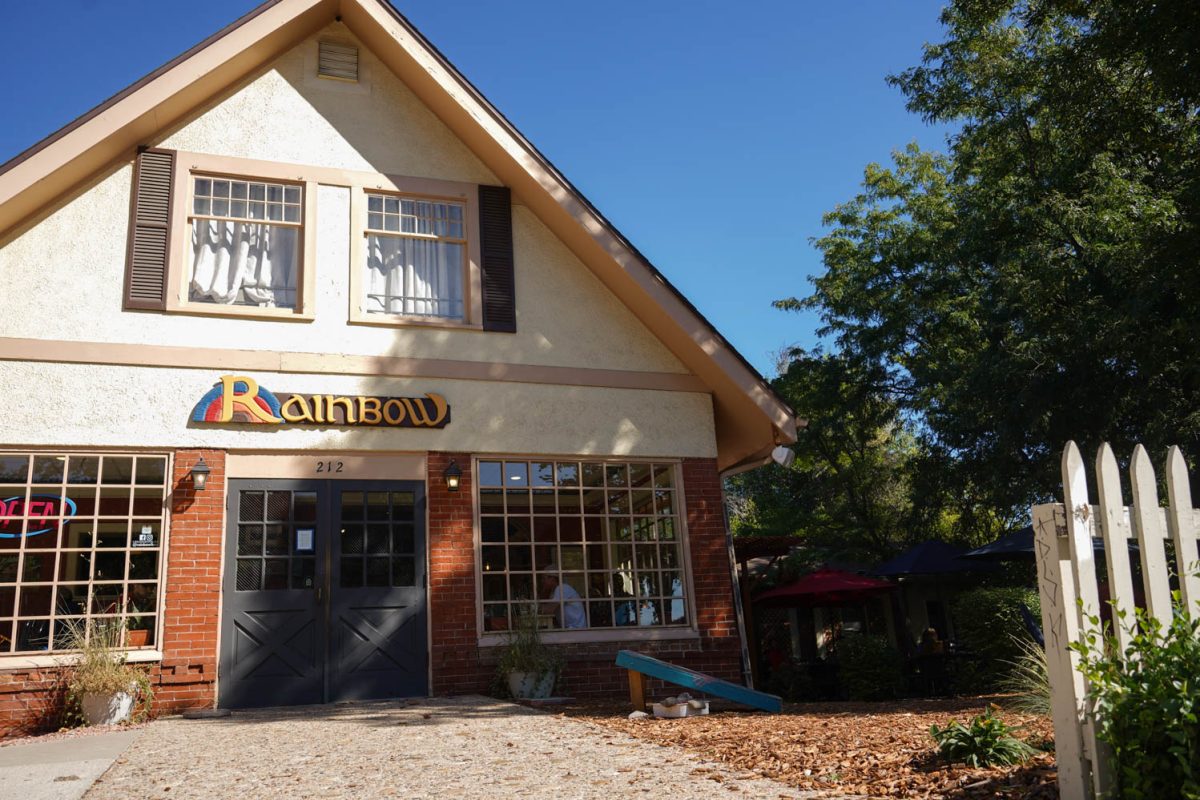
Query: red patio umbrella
x=824 y=587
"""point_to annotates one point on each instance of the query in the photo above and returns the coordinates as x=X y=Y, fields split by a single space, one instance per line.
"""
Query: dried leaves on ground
x=872 y=749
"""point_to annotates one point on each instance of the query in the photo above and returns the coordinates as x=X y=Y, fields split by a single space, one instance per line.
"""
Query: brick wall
x=454 y=655
x=460 y=666
x=188 y=673
x=31 y=699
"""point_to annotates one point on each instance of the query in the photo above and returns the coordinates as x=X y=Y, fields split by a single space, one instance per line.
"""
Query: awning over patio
x=825 y=587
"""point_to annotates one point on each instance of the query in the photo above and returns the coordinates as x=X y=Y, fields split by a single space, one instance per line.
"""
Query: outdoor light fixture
x=200 y=475
x=453 y=475
x=783 y=455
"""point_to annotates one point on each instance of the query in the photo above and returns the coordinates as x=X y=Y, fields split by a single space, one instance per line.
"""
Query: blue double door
x=323 y=596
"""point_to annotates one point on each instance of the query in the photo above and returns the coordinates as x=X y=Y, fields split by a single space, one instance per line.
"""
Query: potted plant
x=103 y=685
x=530 y=667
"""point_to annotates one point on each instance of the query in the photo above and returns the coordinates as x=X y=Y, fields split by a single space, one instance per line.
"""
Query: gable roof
x=751 y=419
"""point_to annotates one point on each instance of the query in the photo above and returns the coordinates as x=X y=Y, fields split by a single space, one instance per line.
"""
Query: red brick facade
x=460 y=666
x=31 y=699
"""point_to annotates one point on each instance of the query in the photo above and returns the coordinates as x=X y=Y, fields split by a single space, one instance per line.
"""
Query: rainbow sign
x=239 y=399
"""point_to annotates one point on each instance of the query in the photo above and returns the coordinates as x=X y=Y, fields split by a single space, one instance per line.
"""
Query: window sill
x=398 y=321
x=599 y=636
x=70 y=659
x=240 y=312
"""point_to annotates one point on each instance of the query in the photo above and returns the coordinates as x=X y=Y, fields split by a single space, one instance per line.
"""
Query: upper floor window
x=245 y=242
x=416 y=258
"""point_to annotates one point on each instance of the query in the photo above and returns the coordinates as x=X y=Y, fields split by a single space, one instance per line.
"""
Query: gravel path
x=460 y=748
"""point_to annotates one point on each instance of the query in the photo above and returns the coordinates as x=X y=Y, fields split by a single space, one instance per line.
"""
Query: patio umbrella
x=1018 y=546
x=930 y=558
x=824 y=587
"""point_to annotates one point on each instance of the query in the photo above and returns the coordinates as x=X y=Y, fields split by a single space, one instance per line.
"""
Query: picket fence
x=1069 y=591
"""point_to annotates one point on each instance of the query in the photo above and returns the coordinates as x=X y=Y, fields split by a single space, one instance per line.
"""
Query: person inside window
x=561 y=600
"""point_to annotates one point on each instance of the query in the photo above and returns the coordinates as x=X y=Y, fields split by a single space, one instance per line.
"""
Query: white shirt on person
x=573 y=615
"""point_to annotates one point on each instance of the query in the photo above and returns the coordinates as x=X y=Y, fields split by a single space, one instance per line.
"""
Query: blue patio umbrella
x=1018 y=546
x=930 y=558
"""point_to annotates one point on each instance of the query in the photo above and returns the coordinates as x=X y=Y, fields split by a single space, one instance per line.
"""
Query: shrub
x=988 y=623
x=525 y=651
x=1028 y=678
x=1147 y=704
x=101 y=669
x=987 y=741
x=869 y=668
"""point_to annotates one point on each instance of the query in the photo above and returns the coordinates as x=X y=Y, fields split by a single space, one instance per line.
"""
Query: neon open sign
x=42 y=510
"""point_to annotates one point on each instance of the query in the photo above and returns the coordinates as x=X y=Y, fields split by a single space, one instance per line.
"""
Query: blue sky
x=714 y=135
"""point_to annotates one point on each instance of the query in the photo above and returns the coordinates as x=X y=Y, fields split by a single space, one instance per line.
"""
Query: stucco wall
x=100 y=405
x=63 y=276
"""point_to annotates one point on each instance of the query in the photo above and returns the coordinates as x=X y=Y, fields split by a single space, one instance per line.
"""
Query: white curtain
x=247 y=263
x=420 y=277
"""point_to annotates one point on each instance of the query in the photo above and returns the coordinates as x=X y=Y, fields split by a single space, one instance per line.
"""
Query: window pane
x=244 y=263
x=83 y=469
x=117 y=470
x=491 y=473
x=48 y=469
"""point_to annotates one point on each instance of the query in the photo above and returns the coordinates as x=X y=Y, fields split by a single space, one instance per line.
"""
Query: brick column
x=721 y=650
x=188 y=674
x=451 y=543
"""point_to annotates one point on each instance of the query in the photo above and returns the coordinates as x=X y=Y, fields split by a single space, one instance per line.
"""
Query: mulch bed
x=873 y=749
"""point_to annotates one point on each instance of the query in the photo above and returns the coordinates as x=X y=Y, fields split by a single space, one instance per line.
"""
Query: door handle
x=320 y=594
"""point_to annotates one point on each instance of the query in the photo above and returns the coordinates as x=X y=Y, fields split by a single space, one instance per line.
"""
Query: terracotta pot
x=138 y=638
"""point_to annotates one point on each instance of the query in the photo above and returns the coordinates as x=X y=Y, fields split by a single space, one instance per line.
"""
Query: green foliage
x=1147 y=704
x=525 y=651
x=987 y=741
x=988 y=623
x=1032 y=284
x=1028 y=678
x=101 y=669
x=869 y=668
x=859 y=488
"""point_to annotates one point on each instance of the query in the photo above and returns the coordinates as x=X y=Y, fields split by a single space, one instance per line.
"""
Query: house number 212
x=329 y=466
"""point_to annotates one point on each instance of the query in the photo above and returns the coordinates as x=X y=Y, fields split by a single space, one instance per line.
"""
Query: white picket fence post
x=1070 y=594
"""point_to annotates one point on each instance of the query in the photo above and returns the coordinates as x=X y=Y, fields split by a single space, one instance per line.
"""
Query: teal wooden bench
x=640 y=667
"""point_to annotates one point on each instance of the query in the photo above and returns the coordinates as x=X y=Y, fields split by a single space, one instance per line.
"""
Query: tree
x=851 y=488
x=1038 y=282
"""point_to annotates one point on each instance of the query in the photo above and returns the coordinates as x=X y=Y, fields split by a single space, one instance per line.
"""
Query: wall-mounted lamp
x=453 y=476
x=200 y=475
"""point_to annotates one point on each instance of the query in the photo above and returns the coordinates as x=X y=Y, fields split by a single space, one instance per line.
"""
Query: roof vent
x=337 y=61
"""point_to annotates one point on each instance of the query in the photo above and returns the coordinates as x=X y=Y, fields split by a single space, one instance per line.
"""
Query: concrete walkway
x=59 y=769
x=457 y=748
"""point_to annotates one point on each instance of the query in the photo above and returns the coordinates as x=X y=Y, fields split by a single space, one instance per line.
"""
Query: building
x=342 y=374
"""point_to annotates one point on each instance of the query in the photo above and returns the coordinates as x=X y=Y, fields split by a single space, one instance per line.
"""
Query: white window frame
x=149 y=653
x=627 y=634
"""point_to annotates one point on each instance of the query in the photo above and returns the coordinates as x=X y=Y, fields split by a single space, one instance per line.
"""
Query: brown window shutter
x=149 y=231
x=496 y=255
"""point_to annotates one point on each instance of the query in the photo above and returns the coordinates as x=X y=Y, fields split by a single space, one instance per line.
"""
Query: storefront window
x=580 y=544
x=81 y=540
